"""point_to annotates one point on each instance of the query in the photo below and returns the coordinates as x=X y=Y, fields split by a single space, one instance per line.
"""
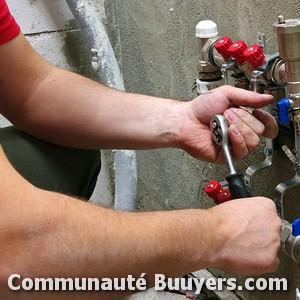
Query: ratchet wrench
x=236 y=183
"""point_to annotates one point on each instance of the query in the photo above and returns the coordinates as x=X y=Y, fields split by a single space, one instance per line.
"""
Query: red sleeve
x=8 y=26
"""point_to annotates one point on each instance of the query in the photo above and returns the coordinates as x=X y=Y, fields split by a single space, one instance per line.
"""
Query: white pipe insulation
x=105 y=64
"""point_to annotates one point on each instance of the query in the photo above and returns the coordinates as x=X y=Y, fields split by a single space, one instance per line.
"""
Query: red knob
x=254 y=55
x=237 y=51
x=222 y=45
x=224 y=196
x=213 y=189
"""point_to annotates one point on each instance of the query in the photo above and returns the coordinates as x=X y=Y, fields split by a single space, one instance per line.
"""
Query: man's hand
x=244 y=128
x=251 y=236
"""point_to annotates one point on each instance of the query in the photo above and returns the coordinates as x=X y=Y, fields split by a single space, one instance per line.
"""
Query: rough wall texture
x=157 y=51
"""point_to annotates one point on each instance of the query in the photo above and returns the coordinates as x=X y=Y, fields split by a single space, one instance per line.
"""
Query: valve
x=283 y=107
x=222 y=45
x=224 y=196
x=254 y=55
x=206 y=29
x=296 y=227
x=290 y=239
x=296 y=233
x=237 y=51
x=215 y=191
x=290 y=243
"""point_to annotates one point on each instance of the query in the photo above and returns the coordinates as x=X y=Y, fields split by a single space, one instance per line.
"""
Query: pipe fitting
x=206 y=63
x=278 y=72
x=206 y=32
x=288 y=36
x=290 y=244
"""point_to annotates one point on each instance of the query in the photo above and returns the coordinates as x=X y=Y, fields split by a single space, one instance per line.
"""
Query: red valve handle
x=222 y=45
x=254 y=56
x=224 y=196
x=213 y=189
x=237 y=51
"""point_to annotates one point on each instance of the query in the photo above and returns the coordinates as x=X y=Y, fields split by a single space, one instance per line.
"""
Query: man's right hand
x=250 y=230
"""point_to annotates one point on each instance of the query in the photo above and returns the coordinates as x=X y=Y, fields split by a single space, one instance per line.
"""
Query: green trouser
x=51 y=167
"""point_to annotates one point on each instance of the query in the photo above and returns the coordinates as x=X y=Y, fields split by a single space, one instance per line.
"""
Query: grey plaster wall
x=155 y=44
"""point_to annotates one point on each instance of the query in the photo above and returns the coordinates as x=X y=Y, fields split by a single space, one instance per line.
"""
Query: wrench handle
x=237 y=186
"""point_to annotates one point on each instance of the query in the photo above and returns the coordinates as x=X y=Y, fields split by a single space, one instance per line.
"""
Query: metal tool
x=236 y=183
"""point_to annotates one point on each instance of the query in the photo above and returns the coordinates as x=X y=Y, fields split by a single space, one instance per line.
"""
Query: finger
x=271 y=127
x=239 y=147
x=237 y=96
x=255 y=124
x=251 y=138
x=261 y=122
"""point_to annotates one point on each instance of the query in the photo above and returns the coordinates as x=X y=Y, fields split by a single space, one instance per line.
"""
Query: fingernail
x=234 y=109
x=231 y=115
x=235 y=131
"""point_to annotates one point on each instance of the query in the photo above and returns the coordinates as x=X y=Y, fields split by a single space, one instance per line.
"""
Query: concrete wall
x=157 y=51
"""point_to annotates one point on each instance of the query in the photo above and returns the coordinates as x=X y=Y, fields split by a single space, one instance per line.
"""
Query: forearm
x=85 y=241
x=76 y=111
x=48 y=235
x=65 y=108
x=68 y=109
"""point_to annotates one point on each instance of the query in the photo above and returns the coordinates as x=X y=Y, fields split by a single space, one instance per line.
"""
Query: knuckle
x=269 y=203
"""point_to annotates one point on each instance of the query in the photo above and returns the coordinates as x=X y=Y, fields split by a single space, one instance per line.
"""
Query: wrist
x=216 y=239
x=169 y=135
x=191 y=134
x=182 y=126
x=205 y=239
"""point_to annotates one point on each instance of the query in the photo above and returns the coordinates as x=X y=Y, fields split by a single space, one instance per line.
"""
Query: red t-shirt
x=8 y=26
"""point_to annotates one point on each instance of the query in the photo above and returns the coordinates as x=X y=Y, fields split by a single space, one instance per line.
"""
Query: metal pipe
x=105 y=64
x=288 y=37
x=210 y=75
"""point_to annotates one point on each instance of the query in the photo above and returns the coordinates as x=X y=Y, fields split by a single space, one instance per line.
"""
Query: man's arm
x=48 y=235
x=68 y=109
x=65 y=108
